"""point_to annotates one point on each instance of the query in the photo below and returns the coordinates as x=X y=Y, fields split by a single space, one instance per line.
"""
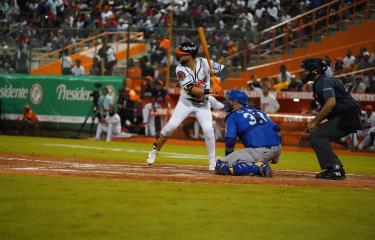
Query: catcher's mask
x=235 y=96
x=313 y=67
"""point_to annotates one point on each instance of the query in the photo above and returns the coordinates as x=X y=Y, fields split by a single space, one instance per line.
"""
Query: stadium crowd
x=53 y=24
x=363 y=82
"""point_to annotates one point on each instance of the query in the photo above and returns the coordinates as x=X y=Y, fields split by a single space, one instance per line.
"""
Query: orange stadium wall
x=334 y=46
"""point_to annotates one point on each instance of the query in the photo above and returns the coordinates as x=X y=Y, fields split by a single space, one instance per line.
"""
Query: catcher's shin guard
x=258 y=168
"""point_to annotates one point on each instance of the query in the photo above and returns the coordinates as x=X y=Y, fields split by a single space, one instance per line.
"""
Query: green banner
x=53 y=98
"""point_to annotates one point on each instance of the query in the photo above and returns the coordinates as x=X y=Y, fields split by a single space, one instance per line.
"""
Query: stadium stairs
x=353 y=34
x=85 y=50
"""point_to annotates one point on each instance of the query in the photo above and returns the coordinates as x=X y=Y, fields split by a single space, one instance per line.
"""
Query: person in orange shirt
x=27 y=121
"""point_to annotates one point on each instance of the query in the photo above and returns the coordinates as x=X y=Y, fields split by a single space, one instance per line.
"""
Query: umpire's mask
x=312 y=67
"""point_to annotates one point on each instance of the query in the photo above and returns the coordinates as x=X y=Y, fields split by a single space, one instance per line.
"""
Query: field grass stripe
x=128 y=150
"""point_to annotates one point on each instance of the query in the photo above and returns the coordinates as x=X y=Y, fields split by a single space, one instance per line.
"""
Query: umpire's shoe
x=334 y=173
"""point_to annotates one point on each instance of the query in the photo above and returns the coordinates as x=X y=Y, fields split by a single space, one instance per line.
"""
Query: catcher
x=258 y=134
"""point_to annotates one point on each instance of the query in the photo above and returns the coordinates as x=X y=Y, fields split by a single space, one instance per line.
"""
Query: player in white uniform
x=111 y=125
x=193 y=74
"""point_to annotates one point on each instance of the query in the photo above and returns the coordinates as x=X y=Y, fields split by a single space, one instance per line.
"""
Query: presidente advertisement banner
x=65 y=99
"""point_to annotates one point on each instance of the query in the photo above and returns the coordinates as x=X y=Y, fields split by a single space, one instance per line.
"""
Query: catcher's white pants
x=203 y=114
x=254 y=155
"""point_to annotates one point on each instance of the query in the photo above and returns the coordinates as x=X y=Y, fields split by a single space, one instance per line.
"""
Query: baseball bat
x=203 y=40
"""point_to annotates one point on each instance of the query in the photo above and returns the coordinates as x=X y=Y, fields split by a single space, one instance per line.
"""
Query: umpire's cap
x=187 y=48
x=314 y=65
x=238 y=96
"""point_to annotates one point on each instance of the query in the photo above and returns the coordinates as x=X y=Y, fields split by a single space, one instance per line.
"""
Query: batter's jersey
x=200 y=78
x=254 y=128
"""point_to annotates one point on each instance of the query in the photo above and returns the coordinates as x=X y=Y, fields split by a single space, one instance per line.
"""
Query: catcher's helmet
x=187 y=48
x=314 y=65
x=238 y=96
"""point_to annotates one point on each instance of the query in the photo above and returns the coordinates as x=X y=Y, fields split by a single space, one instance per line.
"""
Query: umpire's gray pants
x=320 y=139
x=254 y=155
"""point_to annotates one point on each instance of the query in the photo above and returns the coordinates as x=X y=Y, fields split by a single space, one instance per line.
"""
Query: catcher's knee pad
x=244 y=168
x=222 y=168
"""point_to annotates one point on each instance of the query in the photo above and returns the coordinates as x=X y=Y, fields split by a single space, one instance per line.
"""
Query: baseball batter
x=193 y=74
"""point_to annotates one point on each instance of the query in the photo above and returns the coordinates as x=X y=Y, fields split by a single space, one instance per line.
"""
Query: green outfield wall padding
x=58 y=99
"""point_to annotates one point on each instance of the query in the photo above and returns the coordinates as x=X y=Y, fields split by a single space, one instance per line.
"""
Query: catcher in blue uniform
x=258 y=134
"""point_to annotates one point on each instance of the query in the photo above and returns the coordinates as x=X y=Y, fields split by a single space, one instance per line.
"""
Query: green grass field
x=45 y=207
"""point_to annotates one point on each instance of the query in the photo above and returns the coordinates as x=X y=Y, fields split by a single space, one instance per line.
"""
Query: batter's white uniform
x=200 y=107
x=215 y=105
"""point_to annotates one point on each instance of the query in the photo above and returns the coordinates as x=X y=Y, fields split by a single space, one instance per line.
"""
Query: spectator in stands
x=284 y=75
x=273 y=11
x=359 y=86
x=365 y=61
x=349 y=59
x=4 y=6
x=372 y=57
x=78 y=69
x=13 y=11
x=22 y=59
x=328 y=62
x=66 y=63
x=28 y=120
x=268 y=102
x=339 y=66
x=106 y=15
x=371 y=88
x=107 y=57
x=253 y=84
x=96 y=67
x=295 y=85
x=7 y=63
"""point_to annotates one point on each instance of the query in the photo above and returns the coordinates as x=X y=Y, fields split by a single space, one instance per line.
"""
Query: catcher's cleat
x=333 y=173
x=264 y=169
x=152 y=156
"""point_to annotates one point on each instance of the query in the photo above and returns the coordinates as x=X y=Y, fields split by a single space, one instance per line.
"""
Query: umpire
x=341 y=111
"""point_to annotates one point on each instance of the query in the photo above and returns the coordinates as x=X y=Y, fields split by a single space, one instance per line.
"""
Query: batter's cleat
x=265 y=170
x=211 y=167
x=333 y=173
x=152 y=156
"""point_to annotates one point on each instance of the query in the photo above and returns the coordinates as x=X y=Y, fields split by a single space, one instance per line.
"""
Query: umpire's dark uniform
x=342 y=120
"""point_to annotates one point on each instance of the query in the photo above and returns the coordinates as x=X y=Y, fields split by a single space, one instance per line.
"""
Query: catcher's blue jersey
x=254 y=128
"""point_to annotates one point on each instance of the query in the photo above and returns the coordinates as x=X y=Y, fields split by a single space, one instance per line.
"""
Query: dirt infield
x=41 y=165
